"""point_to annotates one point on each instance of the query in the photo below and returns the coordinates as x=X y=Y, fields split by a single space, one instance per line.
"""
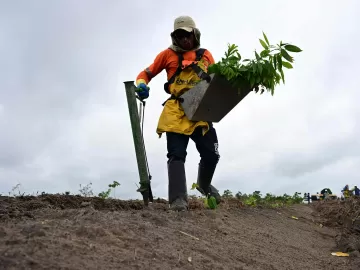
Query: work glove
x=142 y=90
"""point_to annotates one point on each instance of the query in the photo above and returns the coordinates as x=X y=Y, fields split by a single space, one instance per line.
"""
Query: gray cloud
x=296 y=164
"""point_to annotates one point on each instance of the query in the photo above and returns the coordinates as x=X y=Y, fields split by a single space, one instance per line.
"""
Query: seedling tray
x=212 y=101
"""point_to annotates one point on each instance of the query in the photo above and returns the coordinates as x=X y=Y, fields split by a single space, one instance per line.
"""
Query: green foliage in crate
x=262 y=73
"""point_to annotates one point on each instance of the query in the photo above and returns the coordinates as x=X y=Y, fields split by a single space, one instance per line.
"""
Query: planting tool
x=137 y=124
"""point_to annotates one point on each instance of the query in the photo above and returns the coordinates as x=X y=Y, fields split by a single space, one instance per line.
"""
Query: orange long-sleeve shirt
x=168 y=60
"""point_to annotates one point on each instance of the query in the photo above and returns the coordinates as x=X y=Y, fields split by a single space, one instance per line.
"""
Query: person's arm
x=209 y=57
x=154 y=69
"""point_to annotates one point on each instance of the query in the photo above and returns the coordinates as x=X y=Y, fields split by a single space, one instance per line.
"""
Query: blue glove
x=143 y=91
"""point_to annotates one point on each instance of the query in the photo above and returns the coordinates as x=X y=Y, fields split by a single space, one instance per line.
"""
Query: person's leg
x=177 y=190
x=207 y=146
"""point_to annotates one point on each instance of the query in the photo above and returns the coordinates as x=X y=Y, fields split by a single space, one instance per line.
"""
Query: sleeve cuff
x=140 y=81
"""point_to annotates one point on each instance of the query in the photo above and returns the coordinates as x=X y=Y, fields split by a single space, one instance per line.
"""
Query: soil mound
x=75 y=232
x=345 y=217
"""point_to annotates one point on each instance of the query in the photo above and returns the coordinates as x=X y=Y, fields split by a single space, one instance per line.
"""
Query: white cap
x=184 y=22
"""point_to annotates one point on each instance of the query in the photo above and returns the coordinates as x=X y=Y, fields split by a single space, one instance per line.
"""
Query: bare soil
x=345 y=217
x=74 y=232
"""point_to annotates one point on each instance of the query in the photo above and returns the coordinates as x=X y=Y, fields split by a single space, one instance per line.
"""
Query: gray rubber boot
x=205 y=175
x=177 y=186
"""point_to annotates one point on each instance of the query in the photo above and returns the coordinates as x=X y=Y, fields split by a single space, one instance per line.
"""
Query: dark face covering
x=185 y=39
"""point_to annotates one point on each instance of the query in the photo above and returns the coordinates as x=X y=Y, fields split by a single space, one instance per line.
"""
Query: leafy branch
x=262 y=73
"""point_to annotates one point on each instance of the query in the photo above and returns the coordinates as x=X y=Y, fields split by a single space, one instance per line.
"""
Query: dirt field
x=73 y=232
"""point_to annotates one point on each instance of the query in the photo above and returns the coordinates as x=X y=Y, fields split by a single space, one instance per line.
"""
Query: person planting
x=186 y=64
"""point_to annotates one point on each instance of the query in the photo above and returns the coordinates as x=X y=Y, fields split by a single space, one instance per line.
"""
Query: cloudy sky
x=64 y=118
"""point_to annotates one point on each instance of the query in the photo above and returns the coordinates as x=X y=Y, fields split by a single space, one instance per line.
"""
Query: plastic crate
x=212 y=101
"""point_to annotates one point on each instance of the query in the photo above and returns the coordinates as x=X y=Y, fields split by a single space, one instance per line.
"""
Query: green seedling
x=106 y=194
x=209 y=201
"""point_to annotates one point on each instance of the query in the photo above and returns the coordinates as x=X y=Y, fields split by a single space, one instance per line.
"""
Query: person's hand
x=142 y=90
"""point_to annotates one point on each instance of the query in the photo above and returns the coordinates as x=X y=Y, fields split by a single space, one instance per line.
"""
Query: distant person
x=325 y=193
x=356 y=191
x=346 y=191
x=182 y=75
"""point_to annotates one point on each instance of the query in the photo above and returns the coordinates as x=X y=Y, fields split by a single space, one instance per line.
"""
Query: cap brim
x=187 y=29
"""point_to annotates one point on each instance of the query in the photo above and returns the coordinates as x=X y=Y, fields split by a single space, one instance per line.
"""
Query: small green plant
x=264 y=72
x=209 y=201
x=227 y=194
x=106 y=194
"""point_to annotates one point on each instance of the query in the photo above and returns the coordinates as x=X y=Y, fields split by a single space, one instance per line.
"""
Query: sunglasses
x=180 y=34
